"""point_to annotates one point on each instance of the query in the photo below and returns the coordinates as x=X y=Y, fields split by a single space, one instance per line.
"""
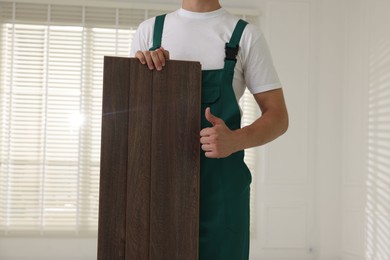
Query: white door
x=283 y=188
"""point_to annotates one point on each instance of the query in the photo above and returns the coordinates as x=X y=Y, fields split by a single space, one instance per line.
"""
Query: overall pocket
x=211 y=87
x=210 y=94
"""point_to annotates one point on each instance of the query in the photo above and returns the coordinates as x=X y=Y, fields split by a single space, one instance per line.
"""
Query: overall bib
x=224 y=183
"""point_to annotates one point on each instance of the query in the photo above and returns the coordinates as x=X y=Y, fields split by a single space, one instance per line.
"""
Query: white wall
x=366 y=132
x=48 y=248
x=354 y=130
x=329 y=83
x=286 y=187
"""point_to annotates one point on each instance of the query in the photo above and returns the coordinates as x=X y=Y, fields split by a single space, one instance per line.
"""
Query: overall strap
x=158 y=31
x=232 y=47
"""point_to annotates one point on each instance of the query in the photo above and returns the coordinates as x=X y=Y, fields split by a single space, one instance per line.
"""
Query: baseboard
x=285 y=258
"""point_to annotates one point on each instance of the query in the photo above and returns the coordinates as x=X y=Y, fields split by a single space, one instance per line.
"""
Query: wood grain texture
x=175 y=164
x=149 y=184
x=113 y=164
x=139 y=161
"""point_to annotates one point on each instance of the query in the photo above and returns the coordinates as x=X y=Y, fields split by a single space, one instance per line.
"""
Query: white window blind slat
x=6 y=11
x=131 y=16
x=51 y=76
x=100 y=17
x=32 y=12
x=69 y=15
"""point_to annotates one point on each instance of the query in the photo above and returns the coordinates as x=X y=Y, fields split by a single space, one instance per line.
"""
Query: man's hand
x=154 y=59
x=217 y=141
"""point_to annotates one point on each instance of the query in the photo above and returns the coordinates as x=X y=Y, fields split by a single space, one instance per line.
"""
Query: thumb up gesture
x=217 y=141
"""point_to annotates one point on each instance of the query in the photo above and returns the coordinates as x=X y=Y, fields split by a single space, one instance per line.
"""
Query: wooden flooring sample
x=149 y=183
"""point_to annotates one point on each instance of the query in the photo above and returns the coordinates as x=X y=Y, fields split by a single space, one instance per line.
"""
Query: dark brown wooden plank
x=113 y=171
x=175 y=162
x=149 y=202
x=139 y=143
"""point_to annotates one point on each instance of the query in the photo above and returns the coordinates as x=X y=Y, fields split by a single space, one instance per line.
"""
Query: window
x=51 y=60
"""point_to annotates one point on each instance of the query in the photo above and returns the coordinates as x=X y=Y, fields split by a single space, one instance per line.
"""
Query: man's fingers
x=153 y=59
x=158 y=59
x=207 y=147
x=140 y=56
x=165 y=53
x=149 y=59
x=161 y=57
x=207 y=139
x=208 y=115
x=210 y=151
x=211 y=118
x=207 y=131
x=211 y=154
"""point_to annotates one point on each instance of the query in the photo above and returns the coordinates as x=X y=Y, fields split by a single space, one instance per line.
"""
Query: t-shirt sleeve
x=142 y=37
x=259 y=71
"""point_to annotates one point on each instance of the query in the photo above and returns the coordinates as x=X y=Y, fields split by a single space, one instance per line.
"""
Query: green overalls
x=224 y=183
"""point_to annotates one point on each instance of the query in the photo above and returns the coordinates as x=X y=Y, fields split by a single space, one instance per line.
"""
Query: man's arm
x=219 y=141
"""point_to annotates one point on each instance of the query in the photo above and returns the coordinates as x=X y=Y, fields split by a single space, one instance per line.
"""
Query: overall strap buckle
x=232 y=47
x=231 y=52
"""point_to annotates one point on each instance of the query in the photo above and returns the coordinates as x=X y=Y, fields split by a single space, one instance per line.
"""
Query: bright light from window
x=76 y=120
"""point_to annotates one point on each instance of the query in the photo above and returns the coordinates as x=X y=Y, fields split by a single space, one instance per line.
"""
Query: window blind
x=250 y=113
x=51 y=76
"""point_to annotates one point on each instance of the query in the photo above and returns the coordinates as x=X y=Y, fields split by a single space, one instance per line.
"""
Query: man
x=233 y=55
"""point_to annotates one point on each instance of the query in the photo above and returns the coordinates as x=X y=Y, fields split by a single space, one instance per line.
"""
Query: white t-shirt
x=201 y=37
